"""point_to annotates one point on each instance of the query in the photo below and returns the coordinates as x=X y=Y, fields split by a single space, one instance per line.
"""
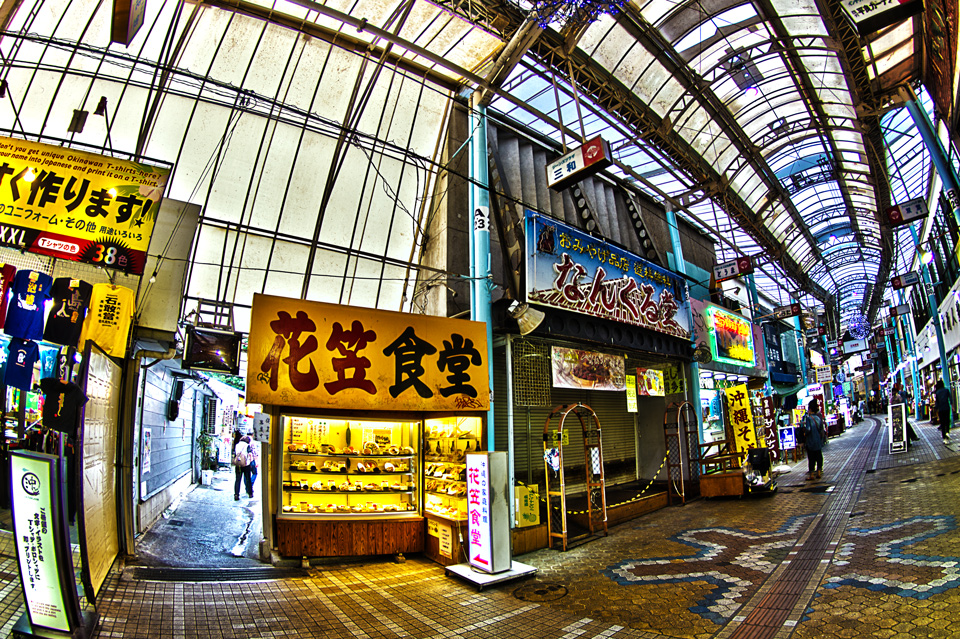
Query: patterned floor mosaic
x=890 y=570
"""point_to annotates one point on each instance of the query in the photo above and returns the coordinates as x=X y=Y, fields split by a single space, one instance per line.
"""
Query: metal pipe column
x=681 y=267
x=481 y=282
x=755 y=307
x=905 y=328
x=951 y=185
x=801 y=353
x=934 y=313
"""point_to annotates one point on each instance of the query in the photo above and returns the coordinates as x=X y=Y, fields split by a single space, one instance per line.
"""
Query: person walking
x=253 y=455
x=944 y=409
x=241 y=465
x=814 y=436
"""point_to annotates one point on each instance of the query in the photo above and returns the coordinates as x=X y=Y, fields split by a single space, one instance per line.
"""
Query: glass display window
x=447 y=440
x=353 y=467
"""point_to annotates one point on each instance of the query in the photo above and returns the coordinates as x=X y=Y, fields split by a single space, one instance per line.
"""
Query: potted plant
x=208 y=458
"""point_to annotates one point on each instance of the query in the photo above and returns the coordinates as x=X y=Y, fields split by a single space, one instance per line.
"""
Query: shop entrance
x=560 y=526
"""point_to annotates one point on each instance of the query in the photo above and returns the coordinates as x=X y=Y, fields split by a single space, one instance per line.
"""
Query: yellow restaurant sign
x=320 y=355
x=78 y=206
x=741 y=417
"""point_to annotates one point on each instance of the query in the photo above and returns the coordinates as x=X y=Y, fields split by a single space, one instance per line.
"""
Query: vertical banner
x=631 y=393
x=35 y=521
x=741 y=417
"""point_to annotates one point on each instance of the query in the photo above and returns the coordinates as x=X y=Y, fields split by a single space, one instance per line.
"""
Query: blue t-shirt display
x=48 y=362
x=21 y=356
x=31 y=289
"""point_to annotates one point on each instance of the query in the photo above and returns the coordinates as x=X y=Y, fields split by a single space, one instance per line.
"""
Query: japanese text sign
x=574 y=271
x=588 y=159
x=734 y=268
x=905 y=279
x=32 y=487
x=478 y=512
x=631 y=394
x=78 y=206
x=304 y=353
x=731 y=337
x=873 y=15
x=907 y=212
x=674 y=382
x=741 y=417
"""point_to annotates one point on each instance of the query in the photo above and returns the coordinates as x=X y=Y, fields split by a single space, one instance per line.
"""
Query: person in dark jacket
x=944 y=409
x=814 y=436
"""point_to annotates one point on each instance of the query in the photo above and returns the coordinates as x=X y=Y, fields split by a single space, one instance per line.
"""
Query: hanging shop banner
x=673 y=381
x=731 y=337
x=870 y=16
x=741 y=417
x=574 y=368
x=824 y=374
x=650 y=382
x=631 y=394
x=78 y=206
x=33 y=488
x=574 y=271
x=319 y=355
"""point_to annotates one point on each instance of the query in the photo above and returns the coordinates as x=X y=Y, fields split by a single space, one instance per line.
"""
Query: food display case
x=446 y=442
x=349 y=486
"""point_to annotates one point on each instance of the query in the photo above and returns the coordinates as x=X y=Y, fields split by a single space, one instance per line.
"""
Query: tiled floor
x=869 y=551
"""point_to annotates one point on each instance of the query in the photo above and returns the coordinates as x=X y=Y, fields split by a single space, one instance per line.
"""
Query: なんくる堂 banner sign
x=574 y=271
x=78 y=206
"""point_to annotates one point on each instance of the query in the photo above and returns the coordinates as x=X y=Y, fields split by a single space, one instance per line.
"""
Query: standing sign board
x=79 y=206
x=897 y=427
x=788 y=438
x=574 y=271
x=43 y=553
x=488 y=512
x=304 y=353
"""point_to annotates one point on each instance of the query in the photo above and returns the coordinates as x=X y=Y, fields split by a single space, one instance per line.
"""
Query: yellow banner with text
x=319 y=355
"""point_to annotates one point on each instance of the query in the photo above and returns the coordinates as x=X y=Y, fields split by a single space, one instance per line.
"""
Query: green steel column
x=681 y=267
x=934 y=313
x=908 y=336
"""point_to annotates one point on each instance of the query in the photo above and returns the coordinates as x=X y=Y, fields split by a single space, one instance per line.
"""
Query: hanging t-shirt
x=48 y=361
x=21 y=356
x=31 y=289
x=7 y=273
x=108 y=321
x=61 y=402
x=65 y=321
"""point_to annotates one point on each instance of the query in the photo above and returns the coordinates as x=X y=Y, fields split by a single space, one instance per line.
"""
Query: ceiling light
x=926 y=256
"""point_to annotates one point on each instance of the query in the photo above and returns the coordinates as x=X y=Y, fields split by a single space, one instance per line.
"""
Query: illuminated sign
x=574 y=271
x=320 y=355
x=78 y=206
x=32 y=487
x=741 y=417
x=731 y=337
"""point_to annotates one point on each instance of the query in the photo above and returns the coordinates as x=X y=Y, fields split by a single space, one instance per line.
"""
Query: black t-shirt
x=61 y=402
x=69 y=308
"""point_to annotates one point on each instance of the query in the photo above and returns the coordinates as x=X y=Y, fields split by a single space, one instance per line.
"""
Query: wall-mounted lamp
x=77 y=122
x=101 y=106
x=3 y=88
x=528 y=318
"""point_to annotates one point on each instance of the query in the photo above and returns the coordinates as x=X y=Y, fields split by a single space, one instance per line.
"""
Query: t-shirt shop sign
x=80 y=206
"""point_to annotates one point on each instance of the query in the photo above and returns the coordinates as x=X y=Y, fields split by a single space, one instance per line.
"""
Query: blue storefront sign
x=574 y=271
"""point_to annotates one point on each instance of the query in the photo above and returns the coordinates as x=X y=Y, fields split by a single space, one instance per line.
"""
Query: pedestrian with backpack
x=241 y=465
x=815 y=435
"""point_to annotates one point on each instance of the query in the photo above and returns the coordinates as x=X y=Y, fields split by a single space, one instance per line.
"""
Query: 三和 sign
x=577 y=272
x=320 y=355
